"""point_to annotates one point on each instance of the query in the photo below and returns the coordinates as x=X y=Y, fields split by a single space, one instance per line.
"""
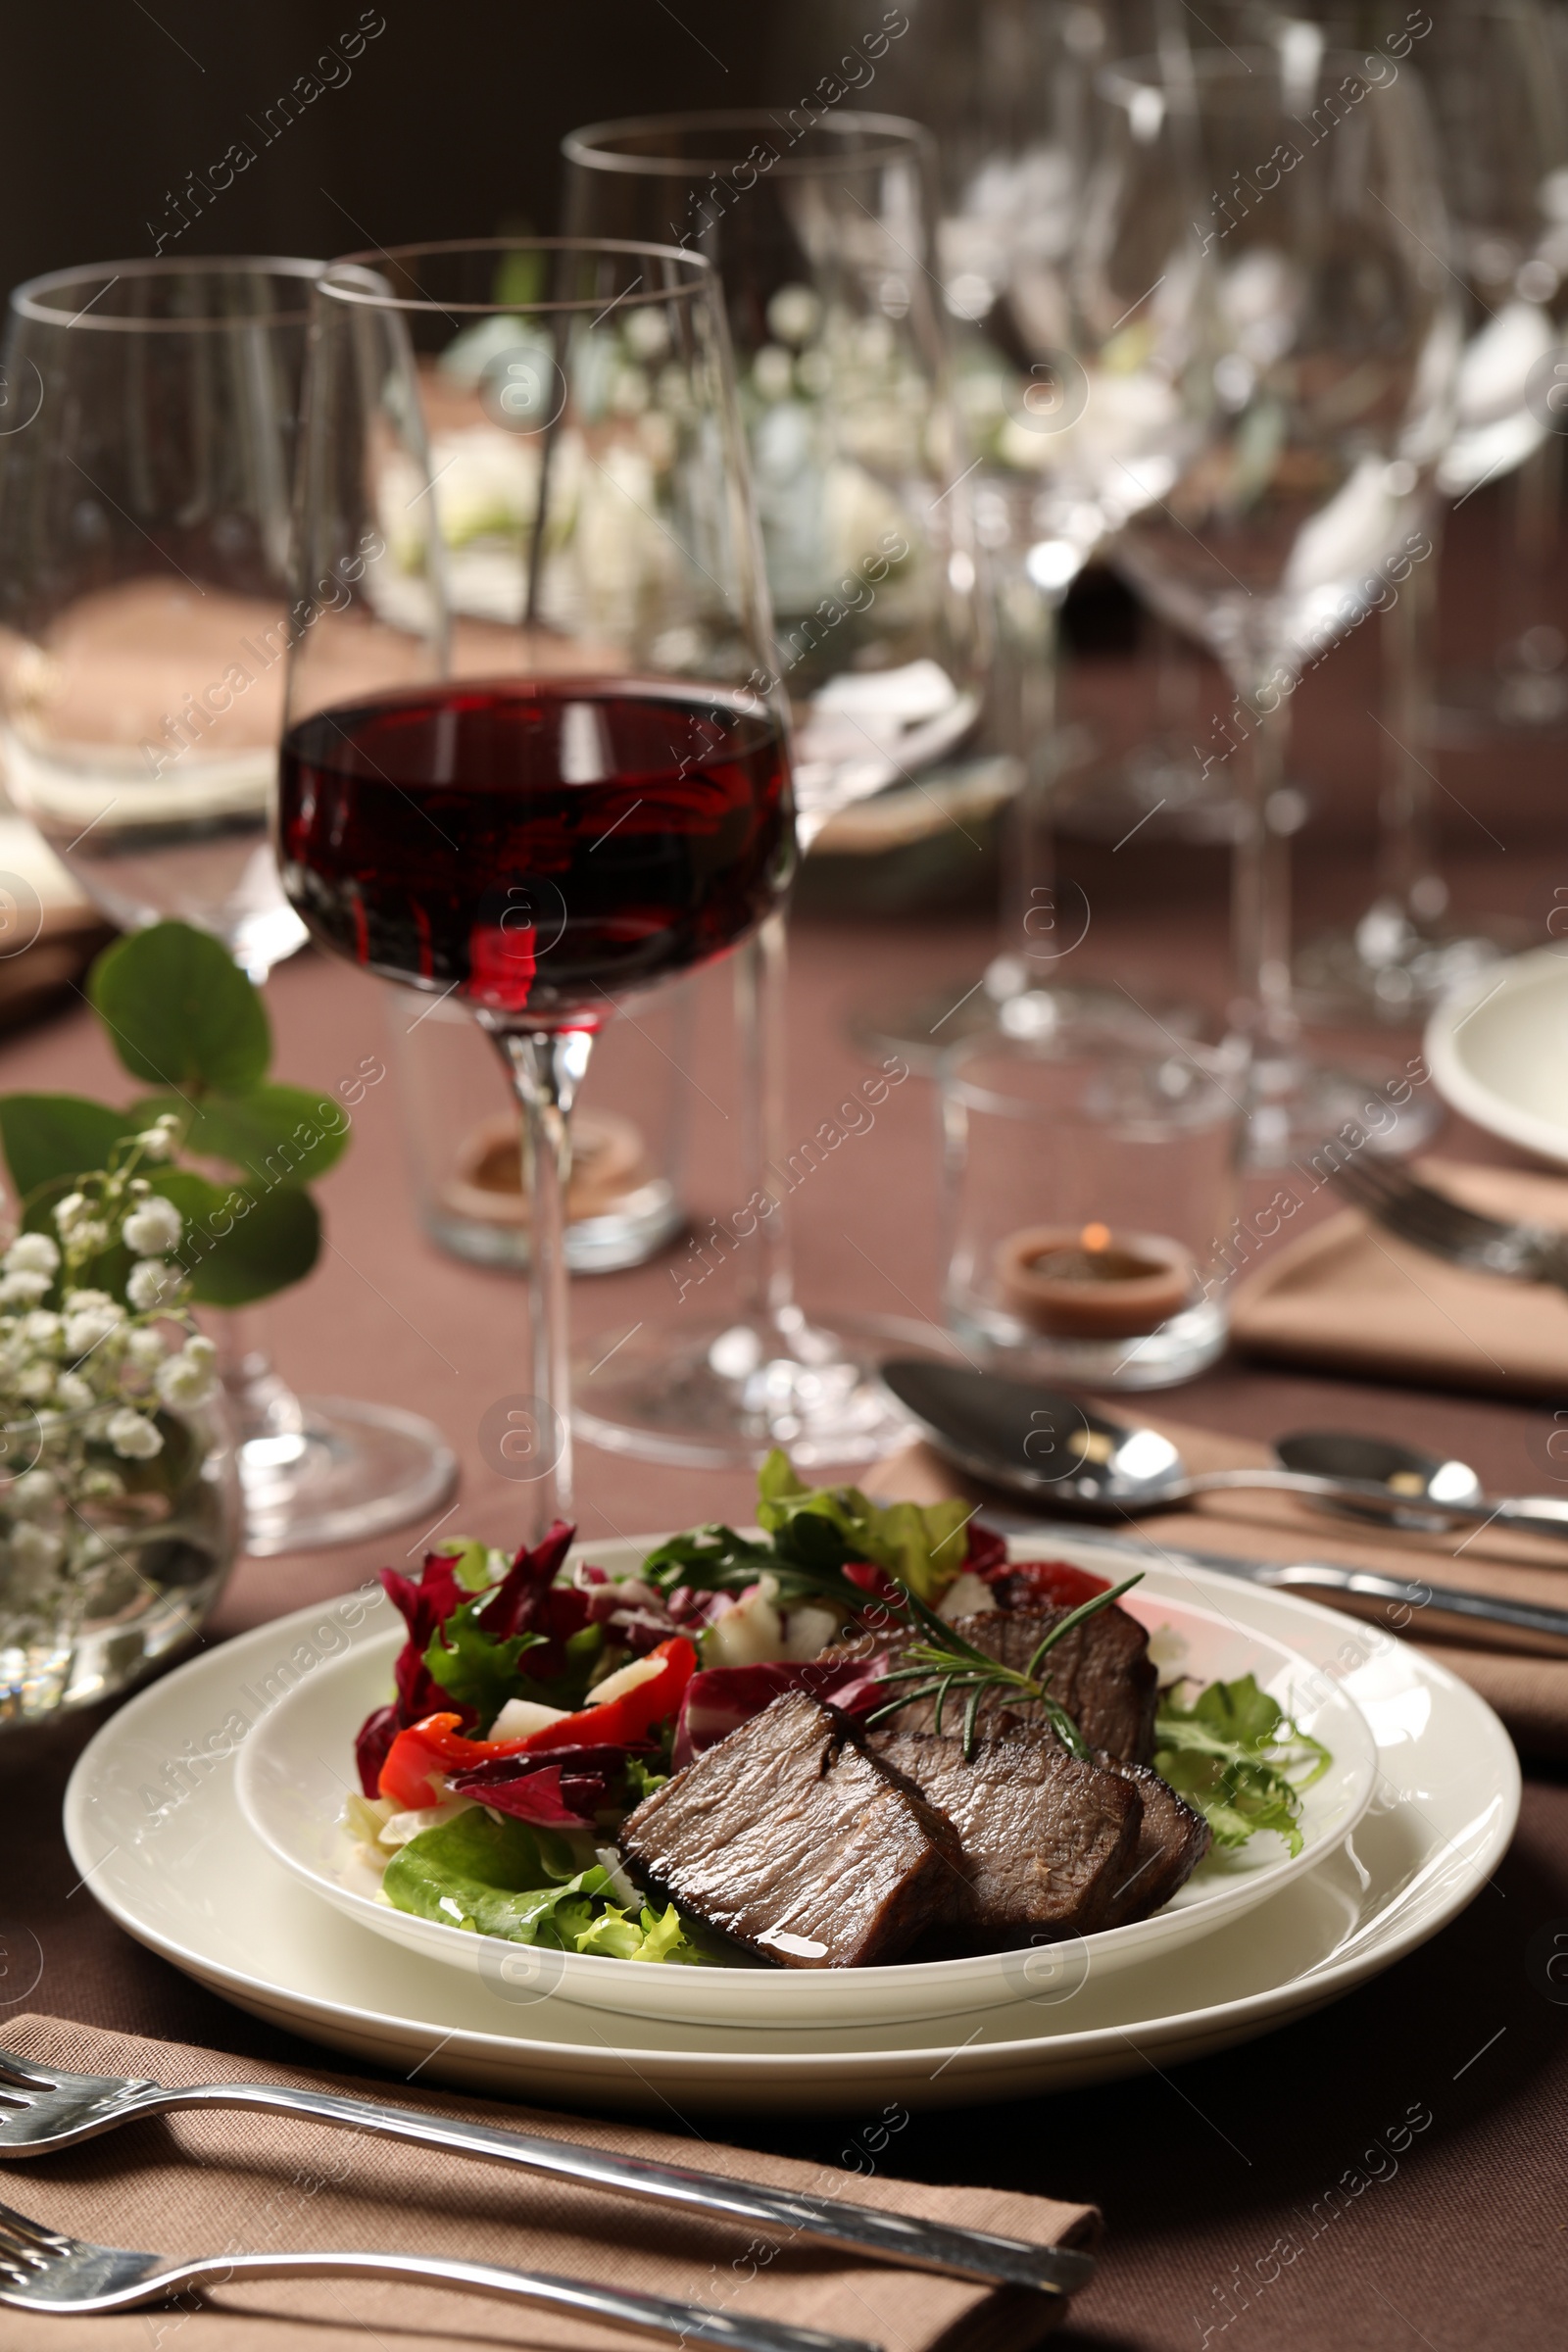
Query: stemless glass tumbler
x=533 y=762
x=145 y=616
x=1089 y=1188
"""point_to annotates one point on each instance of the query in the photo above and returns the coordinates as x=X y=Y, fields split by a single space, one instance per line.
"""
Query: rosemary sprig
x=942 y=1661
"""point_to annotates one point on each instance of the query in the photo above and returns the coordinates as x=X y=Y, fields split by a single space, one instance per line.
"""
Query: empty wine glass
x=1069 y=416
x=820 y=229
x=145 y=616
x=1288 y=201
x=536 y=764
x=1495 y=80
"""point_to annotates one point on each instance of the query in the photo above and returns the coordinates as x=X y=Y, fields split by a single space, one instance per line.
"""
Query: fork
x=45 y=2270
x=1433 y=1222
x=41 y=2111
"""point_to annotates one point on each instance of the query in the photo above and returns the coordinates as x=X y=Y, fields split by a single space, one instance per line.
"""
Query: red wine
x=537 y=845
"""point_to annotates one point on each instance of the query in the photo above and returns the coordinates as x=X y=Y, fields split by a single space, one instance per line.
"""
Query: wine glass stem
x=1024 y=696
x=1407 y=862
x=762 y=973
x=1264 y=1011
x=546 y=1068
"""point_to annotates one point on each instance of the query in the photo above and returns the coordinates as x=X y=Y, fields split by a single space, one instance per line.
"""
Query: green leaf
x=46 y=1136
x=1242 y=1761
x=475 y=1667
x=273 y=1134
x=179 y=1012
x=471 y=1561
x=503 y=1878
x=922 y=1545
x=241 y=1241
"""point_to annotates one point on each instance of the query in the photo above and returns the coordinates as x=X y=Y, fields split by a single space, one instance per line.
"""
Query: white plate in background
x=1498 y=1049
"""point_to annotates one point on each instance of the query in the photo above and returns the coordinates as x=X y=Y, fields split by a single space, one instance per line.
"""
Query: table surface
x=1207 y=2176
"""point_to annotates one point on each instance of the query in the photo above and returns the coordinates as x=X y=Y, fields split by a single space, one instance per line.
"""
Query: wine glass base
x=721 y=1393
x=349 y=1472
x=1297 y=1107
x=1339 y=985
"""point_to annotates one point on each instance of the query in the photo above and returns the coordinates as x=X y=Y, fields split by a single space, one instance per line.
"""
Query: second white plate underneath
x=155 y=1830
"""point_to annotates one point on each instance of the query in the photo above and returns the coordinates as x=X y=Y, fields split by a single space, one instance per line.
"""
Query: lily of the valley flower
x=153 y=1229
x=132 y=1436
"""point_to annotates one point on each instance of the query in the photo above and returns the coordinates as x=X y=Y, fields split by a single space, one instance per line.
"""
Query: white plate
x=155 y=1830
x=290 y=1789
x=1498 y=1049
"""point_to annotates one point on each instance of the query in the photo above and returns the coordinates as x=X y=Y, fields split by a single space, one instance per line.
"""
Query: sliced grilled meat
x=1046 y=1842
x=1172 y=1840
x=1100 y=1672
x=793 y=1838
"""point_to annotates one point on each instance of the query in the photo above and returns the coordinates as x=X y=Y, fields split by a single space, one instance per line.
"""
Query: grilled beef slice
x=1048 y=1842
x=793 y=1838
x=1172 y=1840
x=1100 y=1672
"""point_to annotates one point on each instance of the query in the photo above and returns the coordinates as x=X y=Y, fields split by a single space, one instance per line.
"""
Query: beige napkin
x=205 y=2183
x=1528 y=1693
x=1350 y=1297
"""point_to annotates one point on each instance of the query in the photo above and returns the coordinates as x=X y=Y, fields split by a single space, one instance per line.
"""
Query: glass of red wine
x=527 y=761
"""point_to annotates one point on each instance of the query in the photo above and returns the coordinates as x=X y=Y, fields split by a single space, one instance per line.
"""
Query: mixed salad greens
x=533 y=1710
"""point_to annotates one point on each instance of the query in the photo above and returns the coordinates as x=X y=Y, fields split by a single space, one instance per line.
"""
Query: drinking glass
x=1287 y=202
x=535 y=762
x=1495 y=78
x=144 y=623
x=820 y=223
x=1088 y=1184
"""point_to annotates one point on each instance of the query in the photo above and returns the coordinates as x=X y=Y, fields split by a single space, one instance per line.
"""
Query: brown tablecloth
x=1209 y=2175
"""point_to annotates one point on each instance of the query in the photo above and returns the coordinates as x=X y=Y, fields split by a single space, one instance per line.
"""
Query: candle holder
x=1087 y=1181
x=628 y=1143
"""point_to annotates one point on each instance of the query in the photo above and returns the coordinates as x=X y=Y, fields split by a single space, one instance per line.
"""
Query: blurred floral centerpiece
x=116 y=1507
x=119 y=1500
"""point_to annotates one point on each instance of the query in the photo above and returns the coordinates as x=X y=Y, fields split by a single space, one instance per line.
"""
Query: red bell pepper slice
x=421 y=1758
x=623 y=1722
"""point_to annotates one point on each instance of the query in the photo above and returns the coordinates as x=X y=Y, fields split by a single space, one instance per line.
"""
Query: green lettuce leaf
x=502 y=1878
x=506 y=1877
x=922 y=1544
x=477 y=1669
x=615 y=1935
x=1240 y=1759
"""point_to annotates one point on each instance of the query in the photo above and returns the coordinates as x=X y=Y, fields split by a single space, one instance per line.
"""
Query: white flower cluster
x=84 y=1380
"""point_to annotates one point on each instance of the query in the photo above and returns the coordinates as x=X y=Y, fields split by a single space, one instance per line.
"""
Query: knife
x=1400 y=1604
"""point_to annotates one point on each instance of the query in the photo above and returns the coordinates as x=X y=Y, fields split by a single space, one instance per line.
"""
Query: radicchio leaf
x=720 y=1698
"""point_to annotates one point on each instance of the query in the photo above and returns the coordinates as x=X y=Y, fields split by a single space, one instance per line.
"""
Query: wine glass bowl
x=144 y=583
x=1298 y=197
x=821 y=231
x=536 y=762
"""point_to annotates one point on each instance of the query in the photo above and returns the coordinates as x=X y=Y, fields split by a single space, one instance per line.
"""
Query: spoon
x=1060 y=1451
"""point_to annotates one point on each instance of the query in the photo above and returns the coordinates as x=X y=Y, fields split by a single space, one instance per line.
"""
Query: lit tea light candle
x=1094 y=1284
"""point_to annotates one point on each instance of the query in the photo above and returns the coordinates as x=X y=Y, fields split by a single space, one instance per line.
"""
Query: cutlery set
x=42 y=2110
x=1070 y=1459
